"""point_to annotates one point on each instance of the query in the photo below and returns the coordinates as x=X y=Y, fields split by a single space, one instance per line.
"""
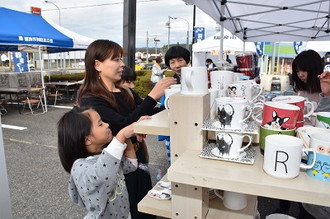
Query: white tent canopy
x=269 y=20
x=210 y=47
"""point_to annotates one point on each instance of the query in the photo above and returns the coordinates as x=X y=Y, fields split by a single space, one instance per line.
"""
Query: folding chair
x=52 y=92
x=3 y=110
x=34 y=97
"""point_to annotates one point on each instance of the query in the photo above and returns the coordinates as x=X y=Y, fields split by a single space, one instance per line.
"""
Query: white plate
x=248 y=127
x=163 y=185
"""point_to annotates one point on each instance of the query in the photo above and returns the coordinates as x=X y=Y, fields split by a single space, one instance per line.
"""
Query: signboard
x=35 y=10
x=20 y=60
x=199 y=34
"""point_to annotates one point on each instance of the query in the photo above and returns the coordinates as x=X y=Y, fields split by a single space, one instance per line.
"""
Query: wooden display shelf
x=163 y=208
x=157 y=125
x=192 y=170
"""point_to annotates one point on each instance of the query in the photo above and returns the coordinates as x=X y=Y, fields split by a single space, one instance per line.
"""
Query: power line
x=100 y=5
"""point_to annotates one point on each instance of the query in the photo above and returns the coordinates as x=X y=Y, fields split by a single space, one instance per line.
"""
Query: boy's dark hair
x=311 y=62
x=128 y=75
x=73 y=128
x=209 y=60
x=177 y=52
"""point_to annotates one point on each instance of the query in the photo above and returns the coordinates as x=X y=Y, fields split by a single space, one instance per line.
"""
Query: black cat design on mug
x=224 y=143
x=277 y=122
x=225 y=115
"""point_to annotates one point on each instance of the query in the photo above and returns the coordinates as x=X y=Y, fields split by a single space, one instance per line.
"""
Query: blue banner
x=20 y=60
x=260 y=48
x=199 y=34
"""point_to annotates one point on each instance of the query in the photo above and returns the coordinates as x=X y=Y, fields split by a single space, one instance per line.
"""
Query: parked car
x=148 y=66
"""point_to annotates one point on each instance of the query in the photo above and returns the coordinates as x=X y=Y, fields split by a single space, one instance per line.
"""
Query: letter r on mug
x=280 y=158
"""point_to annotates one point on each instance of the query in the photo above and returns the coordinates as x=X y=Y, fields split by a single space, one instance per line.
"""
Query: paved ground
x=37 y=181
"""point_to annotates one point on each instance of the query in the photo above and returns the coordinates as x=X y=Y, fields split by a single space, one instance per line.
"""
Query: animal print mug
x=321 y=169
x=220 y=80
x=276 y=115
x=229 y=145
x=246 y=89
x=231 y=112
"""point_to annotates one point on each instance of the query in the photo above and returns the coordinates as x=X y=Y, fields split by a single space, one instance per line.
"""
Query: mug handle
x=188 y=81
x=254 y=116
x=166 y=103
x=217 y=194
x=305 y=166
x=250 y=113
x=312 y=108
x=248 y=144
x=259 y=92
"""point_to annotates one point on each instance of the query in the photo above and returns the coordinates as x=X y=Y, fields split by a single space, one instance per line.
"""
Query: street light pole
x=59 y=11
x=187 y=44
x=168 y=24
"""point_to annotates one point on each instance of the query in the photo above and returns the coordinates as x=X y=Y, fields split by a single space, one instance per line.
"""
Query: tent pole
x=42 y=78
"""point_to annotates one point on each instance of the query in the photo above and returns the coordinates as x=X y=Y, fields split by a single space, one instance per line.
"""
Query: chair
x=52 y=92
x=33 y=97
x=3 y=110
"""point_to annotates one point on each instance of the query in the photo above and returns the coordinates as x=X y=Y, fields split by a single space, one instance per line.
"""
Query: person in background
x=119 y=107
x=157 y=73
x=324 y=99
x=127 y=78
x=210 y=64
x=176 y=58
x=96 y=173
x=306 y=68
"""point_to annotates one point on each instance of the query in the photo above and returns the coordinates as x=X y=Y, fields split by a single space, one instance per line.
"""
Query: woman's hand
x=159 y=89
x=325 y=83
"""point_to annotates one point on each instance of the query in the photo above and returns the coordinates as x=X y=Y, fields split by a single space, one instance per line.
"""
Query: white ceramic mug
x=232 y=200
x=168 y=93
x=231 y=112
x=194 y=80
x=322 y=120
x=321 y=169
x=244 y=89
x=229 y=145
x=220 y=80
x=282 y=157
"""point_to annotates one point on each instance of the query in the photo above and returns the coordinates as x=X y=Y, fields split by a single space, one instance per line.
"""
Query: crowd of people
x=107 y=162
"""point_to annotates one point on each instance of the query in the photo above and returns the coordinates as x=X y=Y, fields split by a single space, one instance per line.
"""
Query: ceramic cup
x=194 y=80
x=300 y=102
x=323 y=120
x=282 y=158
x=220 y=80
x=232 y=200
x=245 y=89
x=321 y=168
x=168 y=93
x=229 y=145
x=264 y=132
x=276 y=115
x=304 y=133
x=231 y=112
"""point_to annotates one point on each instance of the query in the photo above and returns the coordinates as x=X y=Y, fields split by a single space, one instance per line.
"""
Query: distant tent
x=21 y=30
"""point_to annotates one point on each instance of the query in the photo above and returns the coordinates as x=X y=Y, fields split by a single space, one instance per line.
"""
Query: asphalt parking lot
x=37 y=181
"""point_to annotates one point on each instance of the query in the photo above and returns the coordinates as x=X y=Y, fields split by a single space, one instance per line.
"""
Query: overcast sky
x=104 y=18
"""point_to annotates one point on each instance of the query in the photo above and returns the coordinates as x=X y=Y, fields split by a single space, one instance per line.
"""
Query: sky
x=103 y=19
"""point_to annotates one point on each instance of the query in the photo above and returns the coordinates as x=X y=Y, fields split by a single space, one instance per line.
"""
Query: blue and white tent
x=20 y=31
x=23 y=29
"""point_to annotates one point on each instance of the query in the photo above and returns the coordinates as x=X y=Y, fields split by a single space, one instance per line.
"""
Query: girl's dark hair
x=100 y=50
x=312 y=63
x=159 y=59
x=177 y=52
x=72 y=130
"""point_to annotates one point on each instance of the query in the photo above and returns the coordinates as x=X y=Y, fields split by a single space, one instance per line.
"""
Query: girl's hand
x=159 y=90
x=130 y=150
